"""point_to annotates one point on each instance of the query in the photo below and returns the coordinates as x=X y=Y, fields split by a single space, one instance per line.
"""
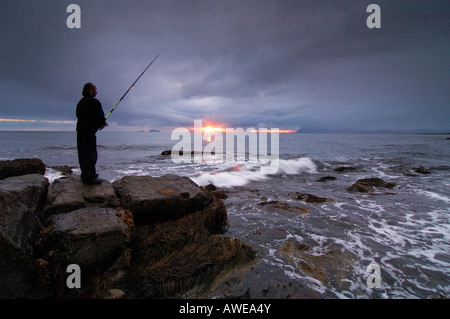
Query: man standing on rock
x=90 y=119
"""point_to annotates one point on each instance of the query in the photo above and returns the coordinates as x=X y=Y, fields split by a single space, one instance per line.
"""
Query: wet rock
x=440 y=296
x=368 y=185
x=20 y=199
x=18 y=224
x=210 y=187
x=326 y=179
x=63 y=169
x=422 y=170
x=92 y=237
x=333 y=264
x=70 y=193
x=174 y=246
x=18 y=270
x=19 y=167
x=341 y=169
x=153 y=199
x=308 y=198
x=95 y=239
x=169 y=152
x=27 y=189
x=218 y=193
x=245 y=295
x=114 y=294
x=275 y=206
x=173 y=258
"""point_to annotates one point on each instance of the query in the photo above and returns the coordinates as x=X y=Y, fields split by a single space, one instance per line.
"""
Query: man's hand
x=103 y=126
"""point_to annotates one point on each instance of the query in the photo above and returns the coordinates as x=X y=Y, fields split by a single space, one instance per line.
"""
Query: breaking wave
x=241 y=174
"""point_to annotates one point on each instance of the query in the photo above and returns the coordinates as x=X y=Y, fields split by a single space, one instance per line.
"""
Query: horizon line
x=297 y=132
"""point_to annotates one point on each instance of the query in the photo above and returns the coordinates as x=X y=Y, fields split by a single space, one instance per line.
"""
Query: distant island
x=150 y=131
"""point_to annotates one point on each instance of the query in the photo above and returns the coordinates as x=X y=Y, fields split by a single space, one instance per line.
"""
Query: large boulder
x=95 y=239
x=158 y=199
x=30 y=189
x=20 y=199
x=175 y=256
x=18 y=229
x=70 y=193
x=20 y=167
x=172 y=244
x=91 y=237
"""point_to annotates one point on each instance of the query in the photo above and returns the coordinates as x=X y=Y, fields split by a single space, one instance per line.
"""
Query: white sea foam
x=228 y=179
x=295 y=166
x=242 y=174
x=52 y=174
x=437 y=196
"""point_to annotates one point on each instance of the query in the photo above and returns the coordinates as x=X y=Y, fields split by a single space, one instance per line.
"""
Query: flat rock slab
x=89 y=237
x=70 y=193
x=159 y=199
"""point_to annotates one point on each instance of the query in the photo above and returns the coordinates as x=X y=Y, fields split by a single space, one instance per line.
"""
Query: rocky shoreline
x=146 y=237
x=139 y=237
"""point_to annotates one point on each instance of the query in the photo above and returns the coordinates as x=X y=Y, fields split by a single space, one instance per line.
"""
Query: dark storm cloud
x=300 y=64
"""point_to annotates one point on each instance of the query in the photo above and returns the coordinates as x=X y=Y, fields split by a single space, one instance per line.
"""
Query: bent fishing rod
x=117 y=104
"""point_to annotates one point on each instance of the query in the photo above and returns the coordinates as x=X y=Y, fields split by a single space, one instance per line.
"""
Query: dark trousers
x=87 y=155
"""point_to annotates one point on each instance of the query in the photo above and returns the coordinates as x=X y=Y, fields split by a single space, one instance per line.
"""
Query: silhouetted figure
x=90 y=119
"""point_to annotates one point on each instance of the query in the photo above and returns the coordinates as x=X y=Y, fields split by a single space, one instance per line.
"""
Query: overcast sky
x=309 y=65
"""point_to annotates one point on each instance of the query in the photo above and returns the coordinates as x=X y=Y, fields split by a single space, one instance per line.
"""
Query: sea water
x=304 y=250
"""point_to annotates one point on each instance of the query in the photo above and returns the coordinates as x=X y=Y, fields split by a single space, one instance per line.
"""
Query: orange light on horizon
x=214 y=128
x=209 y=126
x=16 y=120
x=287 y=131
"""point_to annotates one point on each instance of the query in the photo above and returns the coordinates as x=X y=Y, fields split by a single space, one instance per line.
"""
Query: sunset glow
x=212 y=128
x=16 y=120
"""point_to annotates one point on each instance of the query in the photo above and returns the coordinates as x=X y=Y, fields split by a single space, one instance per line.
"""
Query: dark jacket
x=90 y=115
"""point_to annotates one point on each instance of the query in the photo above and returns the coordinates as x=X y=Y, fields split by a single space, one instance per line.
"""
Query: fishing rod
x=112 y=110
